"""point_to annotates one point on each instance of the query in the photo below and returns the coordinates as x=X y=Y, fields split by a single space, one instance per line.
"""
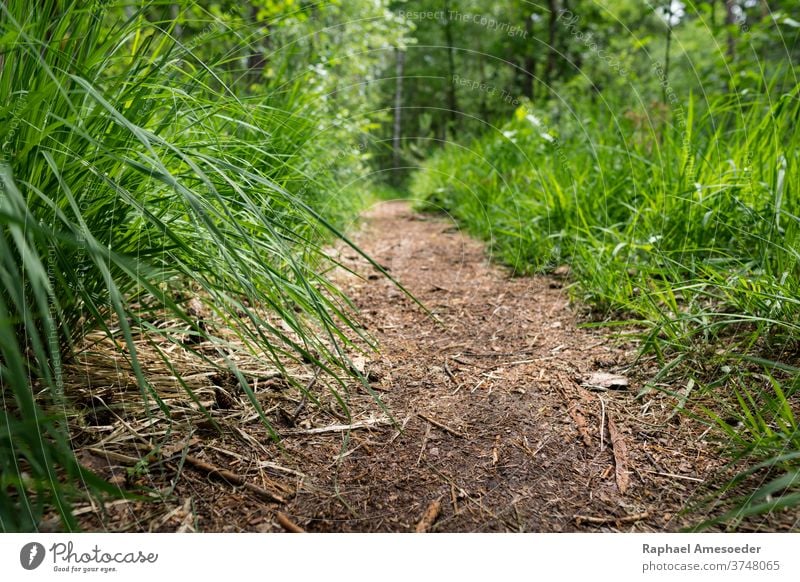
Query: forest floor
x=514 y=417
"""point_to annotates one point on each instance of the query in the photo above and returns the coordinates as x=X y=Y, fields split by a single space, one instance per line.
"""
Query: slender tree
x=452 y=103
x=730 y=20
x=529 y=61
x=668 y=12
x=400 y=61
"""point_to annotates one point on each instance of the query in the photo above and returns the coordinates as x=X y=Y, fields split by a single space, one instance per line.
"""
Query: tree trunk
x=730 y=20
x=483 y=107
x=529 y=62
x=552 y=26
x=174 y=13
x=452 y=103
x=400 y=60
x=665 y=83
x=257 y=60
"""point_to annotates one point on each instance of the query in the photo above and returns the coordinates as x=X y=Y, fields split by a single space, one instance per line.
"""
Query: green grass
x=135 y=168
x=686 y=222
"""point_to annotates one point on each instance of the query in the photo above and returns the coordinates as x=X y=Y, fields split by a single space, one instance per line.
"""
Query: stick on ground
x=579 y=519
x=233 y=479
x=339 y=427
x=442 y=426
x=288 y=524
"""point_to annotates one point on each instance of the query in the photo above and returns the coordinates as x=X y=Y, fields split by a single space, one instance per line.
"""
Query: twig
x=429 y=517
x=112 y=456
x=602 y=422
x=287 y=523
x=466 y=495
x=399 y=431
x=674 y=476
x=424 y=442
x=442 y=426
x=233 y=479
x=448 y=371
x=610 y=519
x=262 y=374
x=525 y=447
x=338 y=427
x=276 y=467
x=495 y=354
x=523 y=362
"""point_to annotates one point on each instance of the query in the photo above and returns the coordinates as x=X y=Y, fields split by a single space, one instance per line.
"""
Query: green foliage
x=557 y=51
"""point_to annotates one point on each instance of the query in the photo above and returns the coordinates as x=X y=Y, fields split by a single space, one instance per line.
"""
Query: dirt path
x=497 y=425
x=499 y=432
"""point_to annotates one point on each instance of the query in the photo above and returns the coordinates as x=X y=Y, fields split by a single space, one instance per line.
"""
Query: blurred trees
x=473 y=62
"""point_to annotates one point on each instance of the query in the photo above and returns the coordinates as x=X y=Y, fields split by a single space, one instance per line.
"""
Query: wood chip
x=605 y=381
x=562 y=271
x=580 y=422
x=359 y=364
x=429 y=517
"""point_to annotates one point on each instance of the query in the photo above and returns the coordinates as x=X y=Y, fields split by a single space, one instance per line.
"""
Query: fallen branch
x=429 y=517
x=288 y=524
x=442 y=426
x=579 y=519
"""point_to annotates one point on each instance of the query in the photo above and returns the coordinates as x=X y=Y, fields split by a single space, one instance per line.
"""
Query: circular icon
x=31 y=555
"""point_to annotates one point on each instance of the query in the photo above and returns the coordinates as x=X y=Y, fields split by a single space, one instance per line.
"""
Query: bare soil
x=491 y=422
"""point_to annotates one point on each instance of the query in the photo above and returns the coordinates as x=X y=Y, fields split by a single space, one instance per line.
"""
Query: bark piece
x=620 y=450
x=429 y=517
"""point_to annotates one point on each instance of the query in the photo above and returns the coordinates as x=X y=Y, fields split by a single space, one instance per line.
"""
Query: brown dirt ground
x=496 y=425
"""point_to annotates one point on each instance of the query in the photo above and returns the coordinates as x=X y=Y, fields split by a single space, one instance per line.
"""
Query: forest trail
x=500 y=434
x=501 y=428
